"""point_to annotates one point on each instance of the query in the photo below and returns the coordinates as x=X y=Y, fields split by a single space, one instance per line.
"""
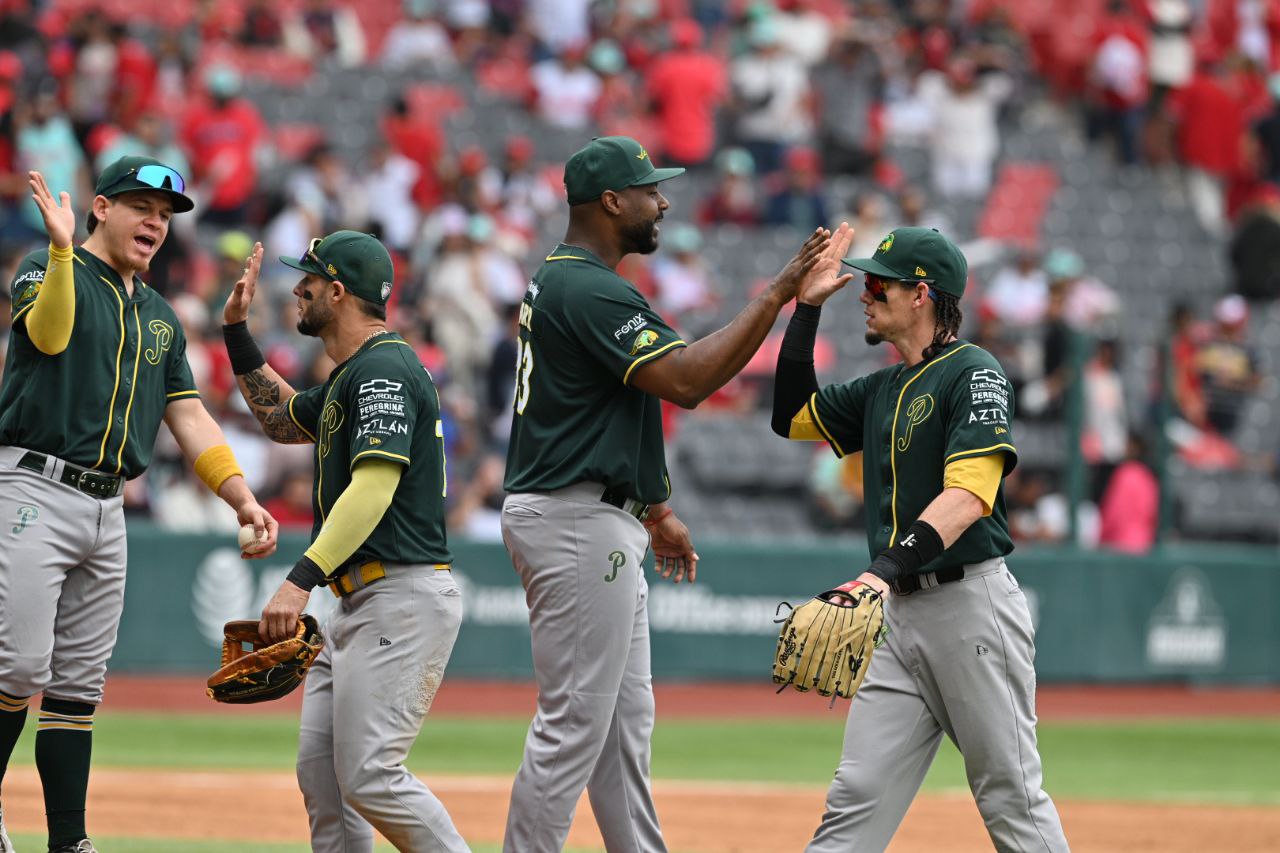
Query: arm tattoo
x=263 y=396
x=260 y=390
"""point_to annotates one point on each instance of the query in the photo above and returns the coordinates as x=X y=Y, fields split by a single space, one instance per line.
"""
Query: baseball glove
x=268 y=671
x=828 y=647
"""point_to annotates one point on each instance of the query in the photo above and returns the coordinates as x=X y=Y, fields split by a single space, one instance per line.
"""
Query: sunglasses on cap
x=160 y=177
x=878 y=286
x=310 y=255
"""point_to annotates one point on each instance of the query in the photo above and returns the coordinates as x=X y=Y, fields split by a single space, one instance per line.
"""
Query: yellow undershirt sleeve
x=53 y=314
x=979 y=475
x=803 y=428
x=356 y=512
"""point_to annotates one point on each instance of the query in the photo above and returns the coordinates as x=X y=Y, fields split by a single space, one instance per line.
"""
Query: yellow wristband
x=216 y=465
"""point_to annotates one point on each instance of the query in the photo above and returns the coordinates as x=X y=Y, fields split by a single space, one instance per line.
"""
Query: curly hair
x=946 y=322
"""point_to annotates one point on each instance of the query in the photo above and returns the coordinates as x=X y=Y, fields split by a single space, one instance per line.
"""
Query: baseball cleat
x=84 y=845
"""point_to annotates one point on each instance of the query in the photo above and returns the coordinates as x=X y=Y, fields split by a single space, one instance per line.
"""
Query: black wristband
x=305 y=574
x=802 y=332
x=918 y=547
x=241 y=348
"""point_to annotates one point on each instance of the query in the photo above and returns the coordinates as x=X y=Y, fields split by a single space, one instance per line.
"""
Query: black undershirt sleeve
x=795 y=380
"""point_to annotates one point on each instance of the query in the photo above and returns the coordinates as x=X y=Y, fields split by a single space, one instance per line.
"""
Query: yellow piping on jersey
x=563 y=258
x=380 y=343
x=182 y=394
x=396 y=456
x=826 y=433
x=296 y=423
x=319 y=455
x=22 y=311
x=980 y=451
x=102 y=450
x=893 y=432
x=639 y=361
x=133 y=387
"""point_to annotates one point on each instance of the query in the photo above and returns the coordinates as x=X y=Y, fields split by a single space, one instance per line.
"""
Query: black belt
x=92 y=483
x=630 y=506
x=912 y=583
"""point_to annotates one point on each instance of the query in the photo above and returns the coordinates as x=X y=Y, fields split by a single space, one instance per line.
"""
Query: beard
x=874 y=338
x=640 y=238
x=313 y=321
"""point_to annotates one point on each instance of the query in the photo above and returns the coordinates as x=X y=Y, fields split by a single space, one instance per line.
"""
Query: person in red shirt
x=1211 y=127
x=1130 y=506
x=221 y=138
x=420 y=139
x=686 y=86
x=291 y=507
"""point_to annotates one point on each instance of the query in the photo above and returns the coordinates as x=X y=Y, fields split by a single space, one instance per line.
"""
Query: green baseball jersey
x=909 y=423
x=382 y=404
x=99 y=403
x=583 y=331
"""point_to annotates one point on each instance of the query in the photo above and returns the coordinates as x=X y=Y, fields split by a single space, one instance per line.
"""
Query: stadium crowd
x=767 y=103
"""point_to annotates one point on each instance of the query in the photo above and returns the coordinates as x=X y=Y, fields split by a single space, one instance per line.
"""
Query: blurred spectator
x=87 y=62
x=800 y=201
x=222 y=136
x=686 y=85
x=45 y=142
x=685 y=291
x=151 y=137
x=1043 y=396
x=388 y=183
x=1106 y=420
x=418 y=40
x=621 y=107
x=914 y=210
x=419 y=138
x=1210 y=127
x=1185 y=340
x=565 y=90
x=1130 y=507
x=1171 y=58
x=135 y=76
x=848 y=89
x=1118 y=79
x=1037 y=511
x=325 y=187
x=1019 y=294
x=803 y=31
x=262 y=25
x=1228 y=366
x=871 y=222
x=733 y=200
x=559 y=24
x=527 y=197
x=1255 y=248
x=770 y=98
x=326 y=30
x=291 y=506
x=1090 y=304
x=458 y=302
x=835 y=491
x=965 y=136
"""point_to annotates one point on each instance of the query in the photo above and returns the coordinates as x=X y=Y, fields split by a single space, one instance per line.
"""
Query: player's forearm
x=52 y=316
x=706 y=365
x=952 y=513
x=262 y=388
x=353 y=518
x=205 y=448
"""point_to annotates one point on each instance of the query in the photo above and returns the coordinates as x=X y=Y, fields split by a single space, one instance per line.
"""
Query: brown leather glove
x=268 y=671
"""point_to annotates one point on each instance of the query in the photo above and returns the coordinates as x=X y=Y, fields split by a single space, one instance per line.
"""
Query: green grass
x=1222 y=761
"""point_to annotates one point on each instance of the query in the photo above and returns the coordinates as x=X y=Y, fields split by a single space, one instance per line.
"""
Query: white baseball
x=249 y=541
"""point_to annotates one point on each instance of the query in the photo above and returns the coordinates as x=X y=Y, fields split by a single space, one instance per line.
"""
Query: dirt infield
x=734 y=699
x=697 y=818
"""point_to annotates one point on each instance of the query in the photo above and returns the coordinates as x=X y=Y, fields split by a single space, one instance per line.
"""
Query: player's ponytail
x=946 y=322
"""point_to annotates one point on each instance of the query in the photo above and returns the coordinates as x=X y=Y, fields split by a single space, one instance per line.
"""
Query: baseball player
x=588 y=489
x=378 y=543
x=96 y=361
x=935 y=436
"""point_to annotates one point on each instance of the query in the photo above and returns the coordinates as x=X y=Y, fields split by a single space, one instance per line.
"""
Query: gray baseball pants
x=366 y=696
x=958 y=660
x=581 y=562
x=62 y=572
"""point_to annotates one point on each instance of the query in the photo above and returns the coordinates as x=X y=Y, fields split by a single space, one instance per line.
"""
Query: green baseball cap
x=359 y=261
x=610 y=163
x=918 y=254
x=143 y=173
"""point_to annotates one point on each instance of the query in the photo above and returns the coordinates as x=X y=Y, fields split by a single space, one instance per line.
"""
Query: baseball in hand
x=249 y=542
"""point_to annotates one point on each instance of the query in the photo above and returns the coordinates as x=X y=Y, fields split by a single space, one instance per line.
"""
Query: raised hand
x=793 y=274
x=59 y=217
x=824 y=277
x=237 y=308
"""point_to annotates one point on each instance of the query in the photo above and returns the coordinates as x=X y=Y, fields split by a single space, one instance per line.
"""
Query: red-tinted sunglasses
x=878 y=286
